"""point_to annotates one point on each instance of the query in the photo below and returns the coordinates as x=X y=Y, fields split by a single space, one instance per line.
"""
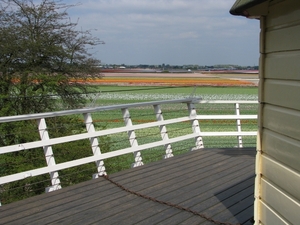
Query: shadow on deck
x=217 y=183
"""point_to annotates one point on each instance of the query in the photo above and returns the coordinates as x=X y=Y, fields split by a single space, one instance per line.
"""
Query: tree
x=44 y=63
x=41 y=55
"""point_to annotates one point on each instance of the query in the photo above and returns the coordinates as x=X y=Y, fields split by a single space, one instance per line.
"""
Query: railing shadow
x=238 y=199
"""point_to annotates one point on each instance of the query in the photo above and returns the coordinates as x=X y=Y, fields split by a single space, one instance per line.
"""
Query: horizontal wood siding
x=279 y=201
x=282 y=177
x=282 y=33
x=277 y=198
x=283 y=121
x=283 y=13
x=281 y=193
x=277 y=40
x=274 y=68
x=268 y=216
x=282 y=149
x=282 y=93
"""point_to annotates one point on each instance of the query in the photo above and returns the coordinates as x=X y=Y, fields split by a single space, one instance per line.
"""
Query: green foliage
x=44 y=62
x=42 y=55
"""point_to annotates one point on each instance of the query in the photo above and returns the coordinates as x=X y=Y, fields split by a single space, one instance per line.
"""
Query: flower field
x=114 y=89
x=169 y=82
x=172 y=79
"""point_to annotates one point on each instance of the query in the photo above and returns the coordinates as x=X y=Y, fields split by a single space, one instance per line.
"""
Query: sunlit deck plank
x=214 y=182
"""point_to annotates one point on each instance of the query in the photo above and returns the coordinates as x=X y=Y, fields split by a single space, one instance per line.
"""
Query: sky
x=174 y=32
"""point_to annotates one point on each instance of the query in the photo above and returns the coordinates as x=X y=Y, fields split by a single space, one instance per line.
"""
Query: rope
x=167 y=203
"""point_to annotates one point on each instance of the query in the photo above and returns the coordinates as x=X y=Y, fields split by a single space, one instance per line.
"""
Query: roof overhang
x=250 y=8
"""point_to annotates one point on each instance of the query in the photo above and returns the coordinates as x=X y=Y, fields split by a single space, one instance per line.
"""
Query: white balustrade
x=92 y=135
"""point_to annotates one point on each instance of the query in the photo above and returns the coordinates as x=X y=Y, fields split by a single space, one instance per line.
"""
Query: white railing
x=46 y=142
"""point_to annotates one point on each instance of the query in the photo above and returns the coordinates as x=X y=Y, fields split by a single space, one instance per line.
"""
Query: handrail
x=46 y=142
x=5 y=119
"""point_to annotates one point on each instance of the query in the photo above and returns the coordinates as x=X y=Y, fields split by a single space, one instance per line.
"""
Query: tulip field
x=103 y=94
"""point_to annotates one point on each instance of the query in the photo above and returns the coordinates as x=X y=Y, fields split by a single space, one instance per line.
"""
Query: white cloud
x=157 y=29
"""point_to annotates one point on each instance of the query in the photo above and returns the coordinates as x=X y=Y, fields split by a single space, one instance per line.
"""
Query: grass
x=110 y=95
x=177 y=90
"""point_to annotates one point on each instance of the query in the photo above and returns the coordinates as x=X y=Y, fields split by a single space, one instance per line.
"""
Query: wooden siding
x=279 y=40
x=282 y=93
x=268 y=216
x=284 y=178
x=273 y=195
x=283 y=149
x=283 y=13
x=274 y=68
x=283 y=121
x=278 y=166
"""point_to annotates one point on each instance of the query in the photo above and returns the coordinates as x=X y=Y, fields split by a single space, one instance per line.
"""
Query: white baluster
x=132 y=139
x=163 y=131
x=49 y=156
x=95 y=145
x=195 y=126
x=238 y=125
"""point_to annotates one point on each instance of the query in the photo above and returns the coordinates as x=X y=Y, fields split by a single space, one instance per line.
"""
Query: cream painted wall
x=278 y=159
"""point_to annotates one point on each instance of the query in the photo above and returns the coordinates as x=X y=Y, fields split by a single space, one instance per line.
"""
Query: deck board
x=218 y=183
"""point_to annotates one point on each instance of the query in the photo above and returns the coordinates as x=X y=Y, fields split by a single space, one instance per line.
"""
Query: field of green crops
x=109 y=95
x=112 y=95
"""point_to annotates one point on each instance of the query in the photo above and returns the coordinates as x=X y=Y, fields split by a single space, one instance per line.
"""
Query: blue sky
x=175 y=32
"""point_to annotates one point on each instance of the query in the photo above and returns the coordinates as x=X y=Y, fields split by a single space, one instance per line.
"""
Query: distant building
x=277 y=184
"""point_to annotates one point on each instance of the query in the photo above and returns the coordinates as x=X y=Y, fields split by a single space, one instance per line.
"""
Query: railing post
x=48 y=152
x=163 y=131
x=238 y=125
x=95 y=145
x=195 y=126
x=132 y=138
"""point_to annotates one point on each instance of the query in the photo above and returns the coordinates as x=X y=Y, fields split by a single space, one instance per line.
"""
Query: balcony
x=167 y=162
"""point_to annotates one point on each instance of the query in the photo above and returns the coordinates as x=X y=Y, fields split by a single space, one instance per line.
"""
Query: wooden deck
x=217 y=183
